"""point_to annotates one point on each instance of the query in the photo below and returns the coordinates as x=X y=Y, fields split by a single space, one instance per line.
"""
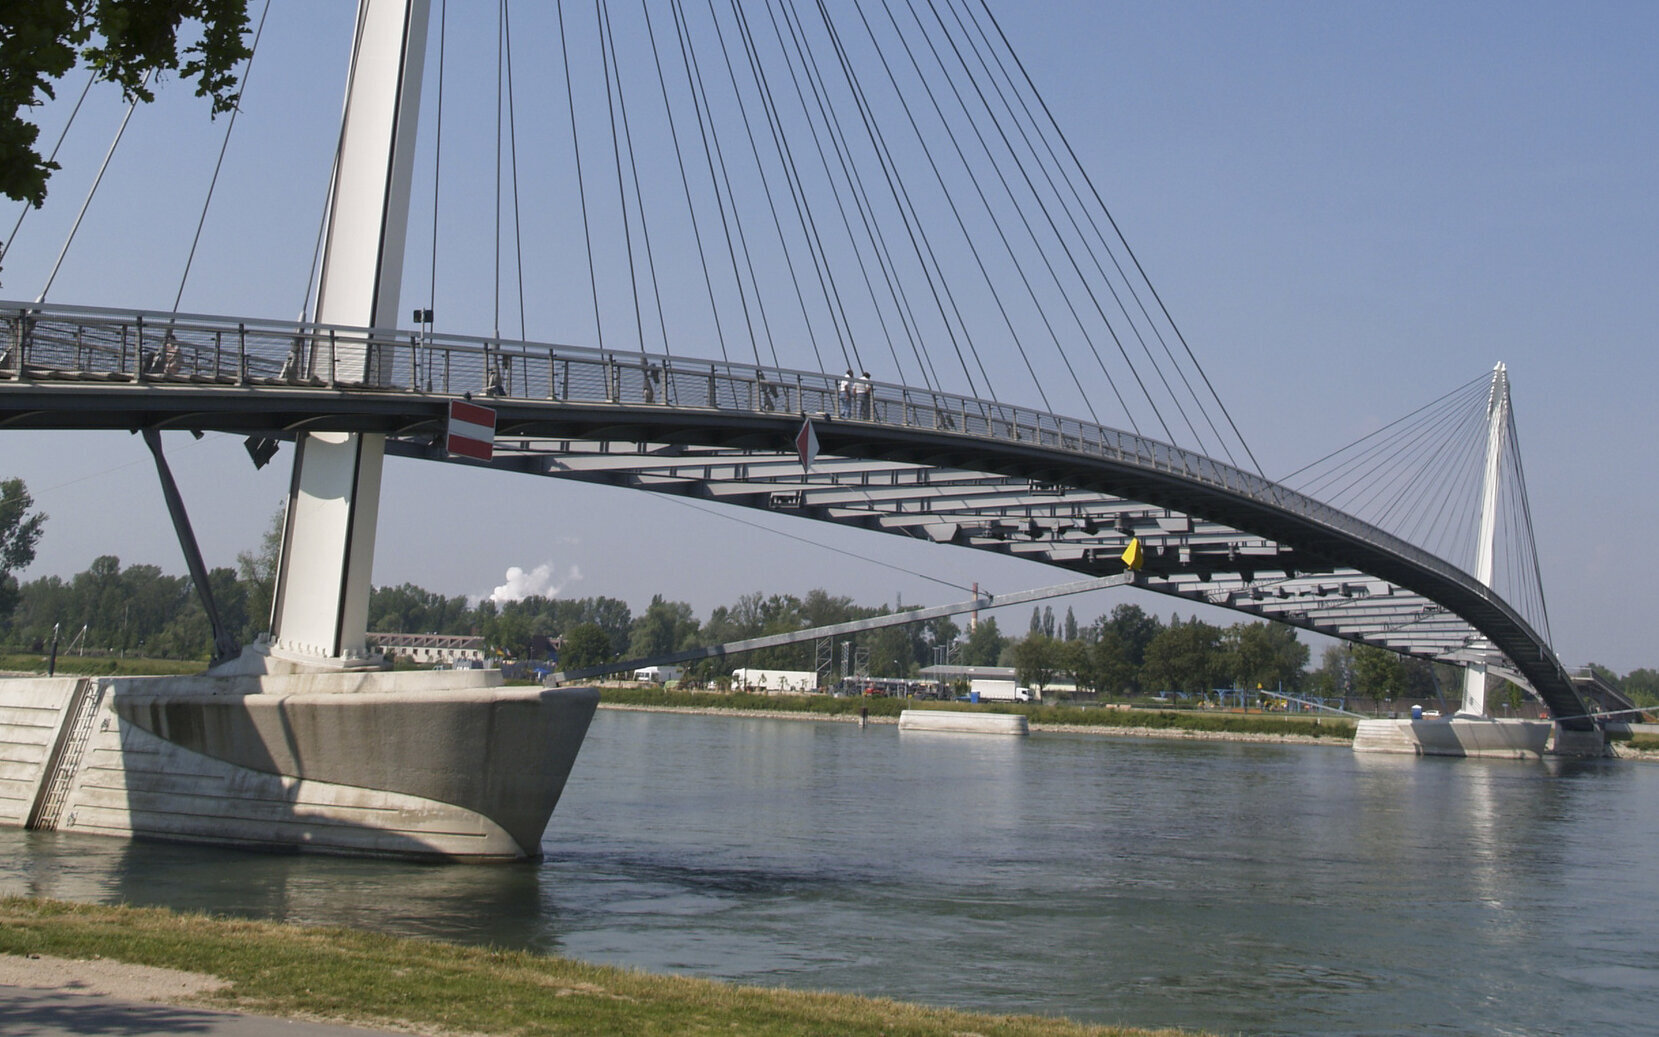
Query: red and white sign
x=471 y=430
x=806 y=444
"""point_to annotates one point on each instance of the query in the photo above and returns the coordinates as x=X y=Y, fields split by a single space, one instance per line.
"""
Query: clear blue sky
x=1349 y=209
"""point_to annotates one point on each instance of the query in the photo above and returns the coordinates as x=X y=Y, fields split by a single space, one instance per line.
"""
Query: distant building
x=428 y=649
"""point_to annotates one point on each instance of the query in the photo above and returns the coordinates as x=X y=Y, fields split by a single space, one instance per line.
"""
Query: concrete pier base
x=1578 y=743
x=1454 y=736
x=419 y=764
x=963 y=722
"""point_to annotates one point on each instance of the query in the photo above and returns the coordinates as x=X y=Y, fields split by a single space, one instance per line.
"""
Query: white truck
x=988 y=690
x=658 y=674
x=774 y=680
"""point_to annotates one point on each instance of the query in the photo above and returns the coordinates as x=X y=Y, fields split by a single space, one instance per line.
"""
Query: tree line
x=138 y=609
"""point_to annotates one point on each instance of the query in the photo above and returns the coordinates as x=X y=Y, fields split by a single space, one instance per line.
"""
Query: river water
x=1240 y=888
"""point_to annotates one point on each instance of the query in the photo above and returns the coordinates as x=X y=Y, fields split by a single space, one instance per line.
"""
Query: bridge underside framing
x=919 y=464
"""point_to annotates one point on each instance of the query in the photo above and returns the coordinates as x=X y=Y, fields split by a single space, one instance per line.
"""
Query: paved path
x=52 y=1013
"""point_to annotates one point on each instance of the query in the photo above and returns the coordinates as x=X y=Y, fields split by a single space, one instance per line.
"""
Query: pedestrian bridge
x=922 y=463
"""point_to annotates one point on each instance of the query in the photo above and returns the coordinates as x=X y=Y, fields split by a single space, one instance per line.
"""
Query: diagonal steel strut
x=983 y=601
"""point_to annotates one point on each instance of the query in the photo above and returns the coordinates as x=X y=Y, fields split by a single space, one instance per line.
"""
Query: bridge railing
x=80 y=343
x=55 y=342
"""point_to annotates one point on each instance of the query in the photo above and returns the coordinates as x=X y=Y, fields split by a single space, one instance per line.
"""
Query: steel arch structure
x=920 y=463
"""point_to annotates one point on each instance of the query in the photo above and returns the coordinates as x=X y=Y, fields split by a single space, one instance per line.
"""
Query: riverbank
x=426 y=987
x=1125 y=723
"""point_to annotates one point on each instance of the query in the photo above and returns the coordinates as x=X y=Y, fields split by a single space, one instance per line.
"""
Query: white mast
x=1497 y=421
x=319 y=613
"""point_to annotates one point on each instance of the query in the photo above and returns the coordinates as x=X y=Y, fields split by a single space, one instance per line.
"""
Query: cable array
x=875 y=185
x=1421 y=477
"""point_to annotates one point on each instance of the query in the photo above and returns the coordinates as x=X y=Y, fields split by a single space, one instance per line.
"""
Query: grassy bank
x=1333 y=728
x=1636 y=740
x=363 y=978
x=99 y=666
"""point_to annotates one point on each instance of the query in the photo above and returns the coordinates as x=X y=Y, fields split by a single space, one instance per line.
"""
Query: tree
x=664 y=626
x=1642 y=686
x=258 y=570
x=1037 y=660
x=19 y=532
x=509 y=633
x=121 y=42
x=408 y=609
x=892 y=652
x=1185 y=657
x=1103 y=666
x=1335 y=676
x=586 y=644
x=1378 y=673
x=1069 y=630
x=983 y=646
x=939 y=633
x=1265 y=655
x=1135 y=630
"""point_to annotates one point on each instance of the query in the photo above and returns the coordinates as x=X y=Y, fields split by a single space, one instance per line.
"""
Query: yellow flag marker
x=1133 y=556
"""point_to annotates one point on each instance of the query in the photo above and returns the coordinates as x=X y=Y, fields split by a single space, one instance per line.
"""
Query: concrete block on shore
x=963 y=722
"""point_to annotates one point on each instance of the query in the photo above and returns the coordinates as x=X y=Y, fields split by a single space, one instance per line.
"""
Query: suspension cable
x=512 y=145
x=92 y=77
x=608 y=39
x=224 y=145
x=803 y=212
x=862 y=199
x=944 y=299
x=1007 y=189
x=809 y=72
x=715 y=157
x=1065 y=207
x=99 y=179
x=581 y=188
x=500 y=92
x=1130 y=252
x=616 y=155
x=685 y=183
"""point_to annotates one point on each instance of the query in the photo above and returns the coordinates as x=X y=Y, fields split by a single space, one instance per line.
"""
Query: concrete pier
x=421 y=764
x=1474 y=736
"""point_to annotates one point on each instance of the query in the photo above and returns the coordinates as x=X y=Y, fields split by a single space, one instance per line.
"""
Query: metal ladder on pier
x=65 y=761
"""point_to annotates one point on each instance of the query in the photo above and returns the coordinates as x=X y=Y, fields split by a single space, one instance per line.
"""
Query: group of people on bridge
x=856 y=395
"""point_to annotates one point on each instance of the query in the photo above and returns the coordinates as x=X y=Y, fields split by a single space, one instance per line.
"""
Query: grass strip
x=369 y=979
x=1336 y=729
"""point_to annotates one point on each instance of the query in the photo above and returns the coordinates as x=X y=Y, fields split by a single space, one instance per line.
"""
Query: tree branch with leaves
x=127 y=42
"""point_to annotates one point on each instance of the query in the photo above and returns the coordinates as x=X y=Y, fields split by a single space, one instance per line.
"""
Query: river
x=1235 y=887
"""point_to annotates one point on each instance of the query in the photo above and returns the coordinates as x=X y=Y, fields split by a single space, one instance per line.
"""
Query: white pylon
x=1497 y=421
x=319 y=613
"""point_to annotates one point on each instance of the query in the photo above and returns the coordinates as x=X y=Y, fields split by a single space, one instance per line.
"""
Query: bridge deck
x=915 y=462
